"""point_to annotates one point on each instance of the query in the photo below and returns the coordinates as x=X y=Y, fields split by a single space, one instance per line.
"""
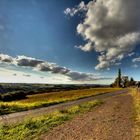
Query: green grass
x=33 y=128
x=47 y=99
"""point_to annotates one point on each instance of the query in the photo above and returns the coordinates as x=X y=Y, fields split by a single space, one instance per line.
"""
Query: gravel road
x=20 y=116
x=110 y=121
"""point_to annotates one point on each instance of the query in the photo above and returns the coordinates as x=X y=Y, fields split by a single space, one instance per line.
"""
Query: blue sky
x=40 y=29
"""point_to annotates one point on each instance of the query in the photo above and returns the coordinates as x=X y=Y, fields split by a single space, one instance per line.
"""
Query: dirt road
x=111 y=121
x=20 y=116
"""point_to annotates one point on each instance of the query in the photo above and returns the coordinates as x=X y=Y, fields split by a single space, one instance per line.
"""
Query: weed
x=33 y=128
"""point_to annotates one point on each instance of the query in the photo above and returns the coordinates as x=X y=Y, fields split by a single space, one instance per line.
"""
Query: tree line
x=123 y=81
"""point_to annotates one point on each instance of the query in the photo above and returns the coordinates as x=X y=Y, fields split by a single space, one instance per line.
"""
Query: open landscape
x=95 y=116
x=47 y=99
x=44 y=112
x=69 y=69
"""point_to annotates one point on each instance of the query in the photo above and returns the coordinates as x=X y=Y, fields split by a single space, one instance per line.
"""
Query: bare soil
x=111 y=121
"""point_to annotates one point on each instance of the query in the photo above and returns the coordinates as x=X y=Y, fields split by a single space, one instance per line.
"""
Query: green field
x=47 y=99
x=33 y=128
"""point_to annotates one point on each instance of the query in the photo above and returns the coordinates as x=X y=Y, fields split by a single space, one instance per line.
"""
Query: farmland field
x=33 y=128
x=46 y=99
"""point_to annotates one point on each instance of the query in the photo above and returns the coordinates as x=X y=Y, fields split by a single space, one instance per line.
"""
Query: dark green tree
x=118 y=80
x=132 y=82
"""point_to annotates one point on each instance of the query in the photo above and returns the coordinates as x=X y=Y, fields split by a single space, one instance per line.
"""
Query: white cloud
x=117 y=64
x=136 y=59
x=73 y=11
x=44 y=66
x=6 y=58
x=78 y=76
x=131 y=54
x=110 y=27
x=26 y=61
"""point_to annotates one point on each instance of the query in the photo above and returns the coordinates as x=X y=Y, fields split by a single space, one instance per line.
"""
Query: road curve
x=20 y=116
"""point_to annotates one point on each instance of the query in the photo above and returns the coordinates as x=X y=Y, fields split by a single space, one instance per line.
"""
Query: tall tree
x=132 y=82
x=119 y=78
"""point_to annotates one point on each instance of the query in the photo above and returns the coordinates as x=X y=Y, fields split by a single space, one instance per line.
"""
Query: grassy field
x=136 y=103
x=33 y=128
x=47 y=99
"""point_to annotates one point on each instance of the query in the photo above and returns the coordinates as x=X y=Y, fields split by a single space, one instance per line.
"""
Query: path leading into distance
x=113 y=120
x=20 y=116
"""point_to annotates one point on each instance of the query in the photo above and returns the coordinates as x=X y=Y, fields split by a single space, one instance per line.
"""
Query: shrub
x=10 y=96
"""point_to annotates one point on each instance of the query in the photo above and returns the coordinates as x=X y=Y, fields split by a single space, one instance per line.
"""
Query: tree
x=118 y=80
x=132 y=82
x=126 y=82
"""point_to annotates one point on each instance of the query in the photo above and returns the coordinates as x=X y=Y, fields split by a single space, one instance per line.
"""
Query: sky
x=68 y=41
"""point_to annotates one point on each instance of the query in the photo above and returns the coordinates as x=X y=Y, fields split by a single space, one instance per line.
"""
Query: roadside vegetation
x=47 y=99
x=14 y=95
x=33 y=128
x=136 y=101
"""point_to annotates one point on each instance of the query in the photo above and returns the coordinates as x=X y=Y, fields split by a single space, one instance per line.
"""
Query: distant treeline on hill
x=10 y=92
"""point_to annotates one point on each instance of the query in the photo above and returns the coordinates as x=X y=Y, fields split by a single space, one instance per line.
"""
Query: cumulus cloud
x=111 y=28
x=61 y=70
x=73 y=11
x=45 y=66
x=41 y=65
x=78 y=76
x=6 y=58
x=27 y=61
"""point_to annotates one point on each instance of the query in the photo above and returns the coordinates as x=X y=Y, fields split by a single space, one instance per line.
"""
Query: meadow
x=33 y=128
x=47 y=99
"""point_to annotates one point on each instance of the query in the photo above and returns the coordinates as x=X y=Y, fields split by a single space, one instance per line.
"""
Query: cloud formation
x=137 y=59
x=6 y=58
x=73 y=11
x=41 y=65
x=111 y=28
x=131 y=54
x=78 y=76
x=27 y=61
